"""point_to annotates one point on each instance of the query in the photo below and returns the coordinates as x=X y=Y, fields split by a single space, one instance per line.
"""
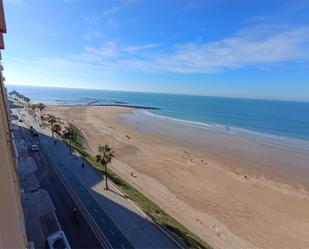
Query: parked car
x=34 y=147
x=58 y=241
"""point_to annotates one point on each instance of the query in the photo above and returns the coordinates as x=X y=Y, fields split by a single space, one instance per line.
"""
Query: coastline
x=276 y=158
x=199 y=187
x=109 y=105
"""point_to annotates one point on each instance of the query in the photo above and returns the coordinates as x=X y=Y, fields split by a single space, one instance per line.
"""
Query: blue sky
x=241 y=48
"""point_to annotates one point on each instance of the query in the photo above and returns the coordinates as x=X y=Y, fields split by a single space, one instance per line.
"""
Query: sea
x=284 y=119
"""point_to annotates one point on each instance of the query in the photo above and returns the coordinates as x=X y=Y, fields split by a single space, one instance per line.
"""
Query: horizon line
x=172 y=93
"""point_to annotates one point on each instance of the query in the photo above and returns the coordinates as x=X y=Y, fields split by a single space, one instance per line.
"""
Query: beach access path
x=122 y=223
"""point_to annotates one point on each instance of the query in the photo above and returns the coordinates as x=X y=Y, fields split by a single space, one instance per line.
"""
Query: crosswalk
x=30 y=183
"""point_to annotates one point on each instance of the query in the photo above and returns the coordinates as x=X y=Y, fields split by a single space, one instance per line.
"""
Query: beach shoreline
x=213 y=195
x=283 y=160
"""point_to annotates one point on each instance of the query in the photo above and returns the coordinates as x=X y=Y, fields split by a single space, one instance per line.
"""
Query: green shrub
x=150 y=208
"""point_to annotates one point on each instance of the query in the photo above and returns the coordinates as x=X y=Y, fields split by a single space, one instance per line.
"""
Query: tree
x=27 y=100
x=105 y=157
x=41 y=107
x=51 y=120
x=34 y=107
x=56 y=128
x=22 y=100
x=68 y=134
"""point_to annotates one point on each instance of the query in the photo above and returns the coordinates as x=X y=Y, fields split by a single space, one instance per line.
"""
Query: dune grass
x=158 y=215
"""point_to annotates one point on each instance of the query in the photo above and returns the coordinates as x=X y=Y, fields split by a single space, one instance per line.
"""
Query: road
x=115 y=238
x=117 y=222
x=79 y=234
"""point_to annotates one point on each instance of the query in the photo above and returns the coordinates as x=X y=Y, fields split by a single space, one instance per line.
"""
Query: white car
x=34 y=147
x=58 y=241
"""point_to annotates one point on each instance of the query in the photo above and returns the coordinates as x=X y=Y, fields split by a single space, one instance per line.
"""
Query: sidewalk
x=136 y=227
x=110 y=233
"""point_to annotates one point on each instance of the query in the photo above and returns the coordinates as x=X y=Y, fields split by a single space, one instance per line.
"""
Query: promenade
x=120 y=222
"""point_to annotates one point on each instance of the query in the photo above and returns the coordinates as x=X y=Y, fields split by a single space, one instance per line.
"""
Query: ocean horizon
x=287 y=119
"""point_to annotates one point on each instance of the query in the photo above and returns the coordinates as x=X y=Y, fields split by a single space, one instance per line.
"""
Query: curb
x=103 y=240
x=149 y=218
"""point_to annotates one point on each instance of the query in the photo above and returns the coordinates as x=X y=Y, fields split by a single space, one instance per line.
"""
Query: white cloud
x=245 y=49
x=110 y=11
x=92 y=34
x=136 y=49
x=108 y=50
x=113 y=50
x=255 y=46
x=107 y=13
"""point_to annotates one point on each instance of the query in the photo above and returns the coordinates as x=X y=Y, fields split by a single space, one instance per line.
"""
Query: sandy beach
x=232 y=192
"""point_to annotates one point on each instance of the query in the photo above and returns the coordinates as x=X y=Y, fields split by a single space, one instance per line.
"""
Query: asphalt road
x=114 y=236
x=109 y=234
x=78 y=233
x=56 y=171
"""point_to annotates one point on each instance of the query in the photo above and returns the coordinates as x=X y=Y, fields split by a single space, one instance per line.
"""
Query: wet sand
x=280 y=159
x=234 y=192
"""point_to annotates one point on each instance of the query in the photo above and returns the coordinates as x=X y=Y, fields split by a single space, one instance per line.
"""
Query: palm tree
x=68 y=134
x=27 y=100
x=41 y=106
x=105 y=157
x=33 y=107
x=52 y=119
x=57 y=128
x=22 y=100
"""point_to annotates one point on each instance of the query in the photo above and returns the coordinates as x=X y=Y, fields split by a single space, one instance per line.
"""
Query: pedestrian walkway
x=134 y=224
x=106 y=225
x=129 y=223
x=26 y=169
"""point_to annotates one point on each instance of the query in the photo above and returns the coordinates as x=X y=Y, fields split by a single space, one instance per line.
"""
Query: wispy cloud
x=103 y=14
x=48 y=30
x=92 y=34
x=107 y=15
x=137 y=49
x=254 y=46
x=110 y=11
x=94 y=22
x=113 y=50
x=108 y=50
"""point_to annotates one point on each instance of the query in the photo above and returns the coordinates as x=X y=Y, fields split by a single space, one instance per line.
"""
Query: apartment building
x=12 y=228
